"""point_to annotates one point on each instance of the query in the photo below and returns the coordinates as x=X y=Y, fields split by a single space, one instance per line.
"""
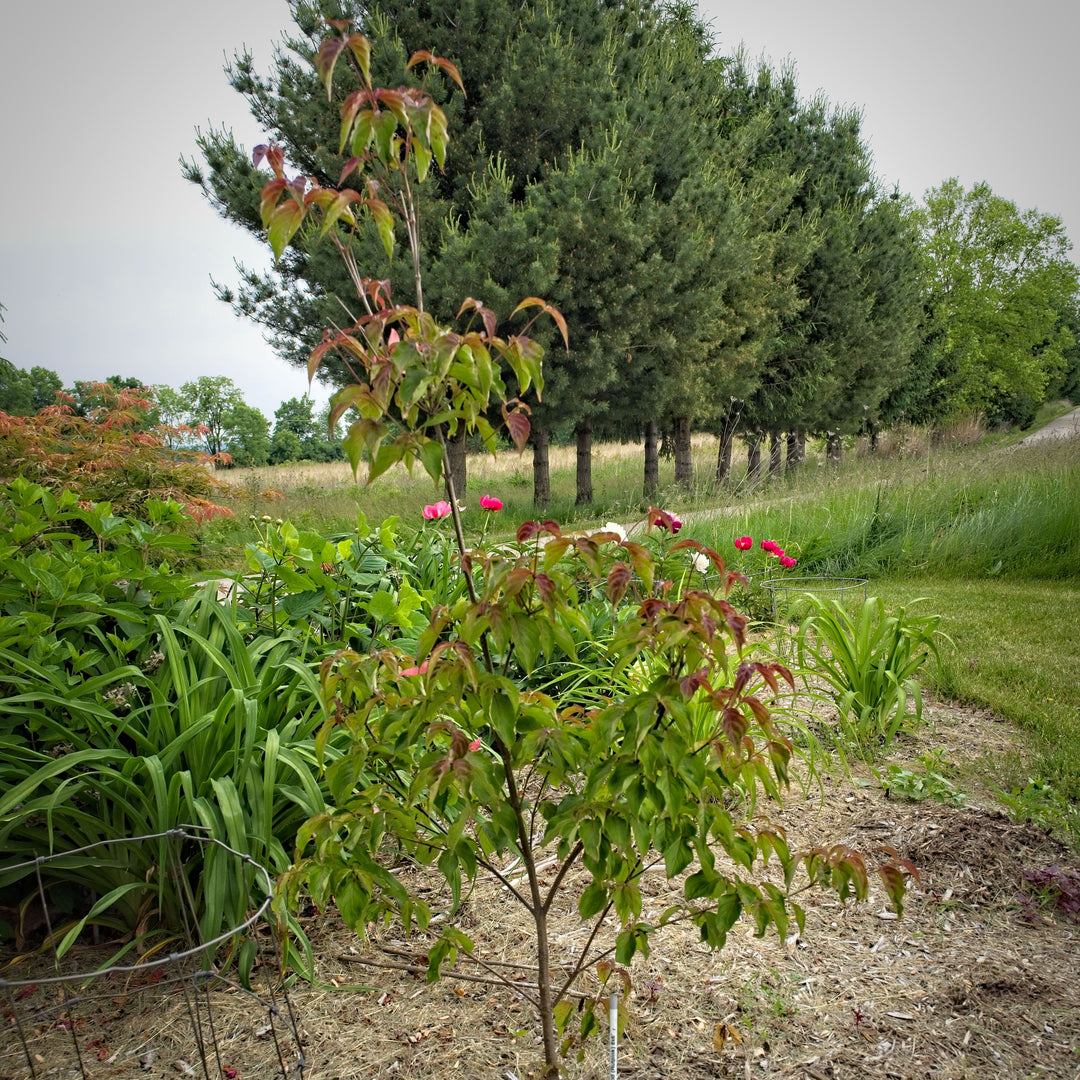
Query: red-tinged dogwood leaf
x=325 y=59
x=439 y=62
x=589 y=550
x=273 y=155
x=486 y=314
x=691 y=683
x=268 y=199
x=618 y=581
x=662 y=518
x=351 y=164
x=545 y=586
x=394 y=100
x=350 y=107
x=560 y=322
x=758 y=708
x=360 y=47
x=284 y=222
x=387 y=455
x=335 y=207
x=736 y=623
x=895 y=885
x=525 y=358
x=708 y=552
x=527 y=530
x=519 y=577
x=734 y=577
x=734 y=724
x=315 y=359
x=517 y=424
x=555 y=549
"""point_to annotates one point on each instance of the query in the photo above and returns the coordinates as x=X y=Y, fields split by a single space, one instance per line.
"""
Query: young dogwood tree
x=466 y=755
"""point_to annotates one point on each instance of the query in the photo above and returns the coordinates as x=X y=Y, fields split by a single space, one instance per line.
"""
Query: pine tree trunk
x=833 y=448
x=455 y=462
x=652 y=460
x=684 y=465
x=541 y=475
x=775 y=446
x=796 y=448
x=723 y=458
x=583 y=432
x=753 y=458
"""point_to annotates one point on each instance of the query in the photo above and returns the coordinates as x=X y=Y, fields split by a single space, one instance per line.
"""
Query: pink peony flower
x=769 y=546
x=744 y=543
x=487 y=502
x=787 y=560
x=439 y=510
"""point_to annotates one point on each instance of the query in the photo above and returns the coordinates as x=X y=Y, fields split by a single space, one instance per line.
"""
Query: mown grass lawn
x=1015 y=649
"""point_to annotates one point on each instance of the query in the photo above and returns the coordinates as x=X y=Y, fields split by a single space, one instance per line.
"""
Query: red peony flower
x=488 y=502
x=438 y=510
x=744 y=543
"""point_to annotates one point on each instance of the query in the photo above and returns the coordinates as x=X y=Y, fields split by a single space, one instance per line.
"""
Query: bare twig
x=416 y=969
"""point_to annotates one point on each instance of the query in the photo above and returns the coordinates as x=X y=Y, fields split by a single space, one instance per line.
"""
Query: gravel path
x=1064 y=427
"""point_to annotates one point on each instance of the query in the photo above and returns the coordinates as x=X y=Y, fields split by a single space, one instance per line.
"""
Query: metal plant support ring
x=46 y=1011
x=784 y=592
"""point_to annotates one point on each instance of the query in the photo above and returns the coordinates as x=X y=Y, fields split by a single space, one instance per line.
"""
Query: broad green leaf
x=384 y=222
x=431 y=454
x=284 y=222
x=592 y=901
x=360 y=47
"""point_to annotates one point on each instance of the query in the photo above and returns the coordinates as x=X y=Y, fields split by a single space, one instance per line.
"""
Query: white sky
x=106 y=254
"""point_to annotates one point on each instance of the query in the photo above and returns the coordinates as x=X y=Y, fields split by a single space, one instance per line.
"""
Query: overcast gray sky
x=106 y=254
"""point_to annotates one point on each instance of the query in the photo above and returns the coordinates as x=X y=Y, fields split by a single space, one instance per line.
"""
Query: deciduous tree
x=999 y=281
x=211 y=400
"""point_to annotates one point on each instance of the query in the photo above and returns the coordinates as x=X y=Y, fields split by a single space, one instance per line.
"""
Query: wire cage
x=790 y=598
x=70 y=1008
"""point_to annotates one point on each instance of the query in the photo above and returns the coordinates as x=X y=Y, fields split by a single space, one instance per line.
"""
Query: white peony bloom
x=701 y=562
x=615 y=527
